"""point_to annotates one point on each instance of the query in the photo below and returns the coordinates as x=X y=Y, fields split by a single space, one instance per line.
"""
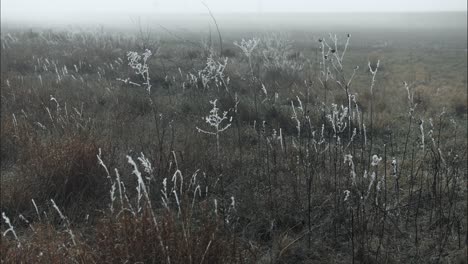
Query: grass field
x=291 y=146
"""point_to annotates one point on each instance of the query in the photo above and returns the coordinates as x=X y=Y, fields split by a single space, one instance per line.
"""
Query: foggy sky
x=71 y=10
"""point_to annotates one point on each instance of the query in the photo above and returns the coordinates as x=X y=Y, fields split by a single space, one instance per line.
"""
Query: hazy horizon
x=284 y=20
x=67 y=11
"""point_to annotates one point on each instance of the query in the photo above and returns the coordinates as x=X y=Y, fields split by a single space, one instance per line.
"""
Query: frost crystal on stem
x=215 y=120
x=139 y=63
x=247 y=46
x=10 y=228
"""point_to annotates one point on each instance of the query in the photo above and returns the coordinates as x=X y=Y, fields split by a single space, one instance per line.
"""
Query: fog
x=237 y=13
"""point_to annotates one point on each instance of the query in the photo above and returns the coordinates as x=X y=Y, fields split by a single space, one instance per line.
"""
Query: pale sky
x=66 y=9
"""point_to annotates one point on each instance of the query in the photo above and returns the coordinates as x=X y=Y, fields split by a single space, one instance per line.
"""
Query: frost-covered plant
x=278 y=54
x=374 y=73
x=139 y=64
x=247 y=46
x=219 y=122
x=332 y=68
x=375 y=160
x=295 y=116
x=265 y=92
x=148 y=168
x=410 y=93
x=331 y=63
x=141 y=187
x=214 y=72
x=375 y=163
x=346 y=193
x=231 y=212
x=356 y=114
x=349 y=159
x=320 y=144
x=338 y=118
x=277 y=138
x=10 y=229
x=394 y=167
x=62 y=118
x=65 y=221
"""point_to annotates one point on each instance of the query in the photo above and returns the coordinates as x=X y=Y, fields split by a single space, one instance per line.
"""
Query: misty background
x=261 y=14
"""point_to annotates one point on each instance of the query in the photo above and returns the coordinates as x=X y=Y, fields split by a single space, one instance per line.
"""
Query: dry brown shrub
x=63 y=169
x=186 y=240
x=45 y=245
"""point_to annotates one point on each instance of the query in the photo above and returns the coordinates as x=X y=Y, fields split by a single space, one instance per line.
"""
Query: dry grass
x=64 y=169
x=297 y=199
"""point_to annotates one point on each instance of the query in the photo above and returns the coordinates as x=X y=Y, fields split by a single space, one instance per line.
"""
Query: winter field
x=234 y=144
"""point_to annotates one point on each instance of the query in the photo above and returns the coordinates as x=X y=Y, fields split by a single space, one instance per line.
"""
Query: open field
x=278 y=146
